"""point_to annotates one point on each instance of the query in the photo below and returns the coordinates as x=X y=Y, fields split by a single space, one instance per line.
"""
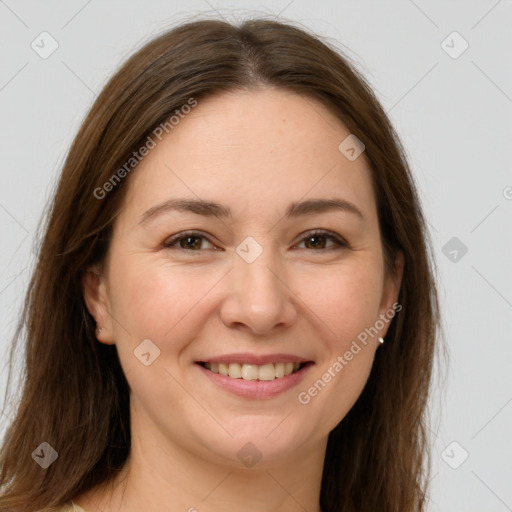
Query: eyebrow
x=212 y=209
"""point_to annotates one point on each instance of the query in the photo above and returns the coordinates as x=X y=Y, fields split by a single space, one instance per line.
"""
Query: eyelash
x=340 y=242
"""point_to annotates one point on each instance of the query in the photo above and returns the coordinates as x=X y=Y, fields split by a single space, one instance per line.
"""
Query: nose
x=258 y=297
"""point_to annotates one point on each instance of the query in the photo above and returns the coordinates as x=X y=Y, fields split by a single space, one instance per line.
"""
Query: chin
x=257 y=443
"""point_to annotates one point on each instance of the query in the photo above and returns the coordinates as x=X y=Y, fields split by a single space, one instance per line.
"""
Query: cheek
x=167 y=305
x=348 y=307
x=153 y=299
x=345 y=301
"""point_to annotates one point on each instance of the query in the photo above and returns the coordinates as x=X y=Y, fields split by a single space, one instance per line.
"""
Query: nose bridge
x=257 y=280
x=258 y=284
x=257 y=296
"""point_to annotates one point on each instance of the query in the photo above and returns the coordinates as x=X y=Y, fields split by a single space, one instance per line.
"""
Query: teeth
x=249 y=372
x=252 y=371
x=235 y=370
x=266 y=372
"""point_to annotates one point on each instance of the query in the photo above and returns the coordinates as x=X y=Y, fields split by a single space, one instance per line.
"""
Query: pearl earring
x=381 y=340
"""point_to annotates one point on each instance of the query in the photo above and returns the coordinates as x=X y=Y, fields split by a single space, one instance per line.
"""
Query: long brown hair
x=75 y=396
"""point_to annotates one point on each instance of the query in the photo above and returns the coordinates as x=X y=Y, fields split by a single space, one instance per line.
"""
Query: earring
x=99 y=330
x=381 y=340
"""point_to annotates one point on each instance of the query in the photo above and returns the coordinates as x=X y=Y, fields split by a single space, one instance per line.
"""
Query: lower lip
x=257 y=388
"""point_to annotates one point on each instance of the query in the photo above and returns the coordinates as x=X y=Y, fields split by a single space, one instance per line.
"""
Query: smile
x=269 y=371
x=255 y=376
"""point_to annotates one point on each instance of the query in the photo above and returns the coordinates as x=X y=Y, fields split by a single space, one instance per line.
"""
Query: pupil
x=189 y=244
x=316 y=237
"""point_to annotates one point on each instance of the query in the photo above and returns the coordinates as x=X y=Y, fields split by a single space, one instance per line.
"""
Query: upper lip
x=255 y=359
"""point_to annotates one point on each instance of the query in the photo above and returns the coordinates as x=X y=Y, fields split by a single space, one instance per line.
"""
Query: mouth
x=255 y=376
x=248 y=371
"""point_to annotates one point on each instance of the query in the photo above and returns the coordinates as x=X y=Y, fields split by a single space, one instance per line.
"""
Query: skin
x=255 y=152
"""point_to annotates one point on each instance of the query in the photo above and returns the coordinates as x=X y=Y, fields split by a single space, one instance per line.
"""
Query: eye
x=317 y=240
x=191 y=241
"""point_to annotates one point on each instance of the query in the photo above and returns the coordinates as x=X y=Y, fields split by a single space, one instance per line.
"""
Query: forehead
x=253 y=148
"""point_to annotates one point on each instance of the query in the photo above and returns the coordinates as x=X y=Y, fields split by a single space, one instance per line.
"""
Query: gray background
x=453 y=115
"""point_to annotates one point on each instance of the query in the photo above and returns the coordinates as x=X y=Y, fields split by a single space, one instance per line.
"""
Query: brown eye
x=186 y=241
x=320 y=239
x=316 y=242
x=190 y=242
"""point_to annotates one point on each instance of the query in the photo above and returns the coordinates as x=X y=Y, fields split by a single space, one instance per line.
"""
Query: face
x=280 y=268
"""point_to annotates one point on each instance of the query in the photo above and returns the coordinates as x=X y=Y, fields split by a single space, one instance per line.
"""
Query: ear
x=390 y=293
x=94 y=289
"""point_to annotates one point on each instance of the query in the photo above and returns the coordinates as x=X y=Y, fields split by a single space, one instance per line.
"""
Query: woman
x=234 y=304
